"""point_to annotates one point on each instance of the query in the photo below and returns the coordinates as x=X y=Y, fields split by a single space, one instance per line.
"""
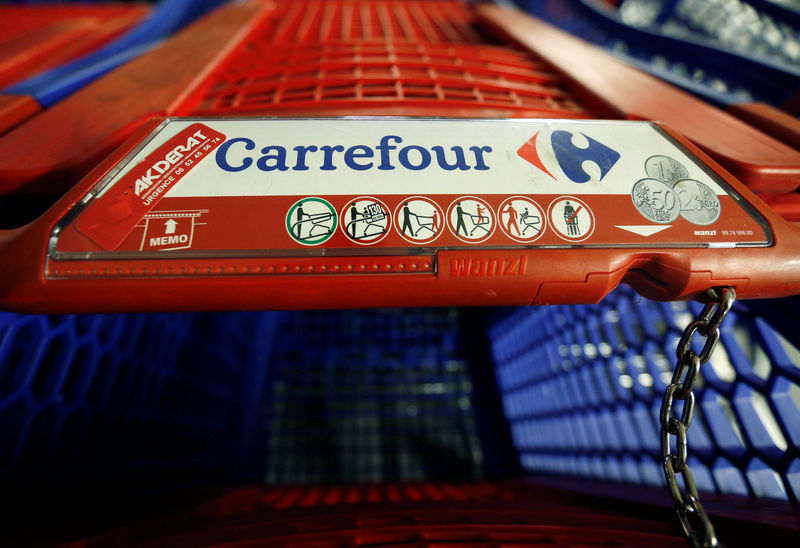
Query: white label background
x=508 y=173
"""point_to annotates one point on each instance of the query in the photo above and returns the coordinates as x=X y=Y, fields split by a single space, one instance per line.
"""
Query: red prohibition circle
x=522 y=225
x=423 y=224
x=475 y=220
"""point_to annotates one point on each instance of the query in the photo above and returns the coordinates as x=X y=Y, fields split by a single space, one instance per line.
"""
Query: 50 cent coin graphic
x=656 y=201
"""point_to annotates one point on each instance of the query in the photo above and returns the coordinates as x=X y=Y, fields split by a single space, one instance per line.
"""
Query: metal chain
x=695 y=522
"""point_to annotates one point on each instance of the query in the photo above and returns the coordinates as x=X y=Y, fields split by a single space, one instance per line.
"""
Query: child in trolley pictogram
x=478 y=220
x=530 y=220
x=424 y=222
x=308 y=226
x=370 y=221
x=428 y=222
x=521 y=219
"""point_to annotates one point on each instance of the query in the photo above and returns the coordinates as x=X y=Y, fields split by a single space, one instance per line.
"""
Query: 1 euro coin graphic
x=665 y=169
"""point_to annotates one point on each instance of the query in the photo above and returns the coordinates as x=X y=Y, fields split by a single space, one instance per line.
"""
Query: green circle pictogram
x=311 y=221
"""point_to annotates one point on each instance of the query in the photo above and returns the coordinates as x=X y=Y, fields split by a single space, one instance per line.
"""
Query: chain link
x=693 y=518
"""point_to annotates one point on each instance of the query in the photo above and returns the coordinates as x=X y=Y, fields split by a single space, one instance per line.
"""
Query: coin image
x=656 y=201
x=665 y=169
x=699 y=204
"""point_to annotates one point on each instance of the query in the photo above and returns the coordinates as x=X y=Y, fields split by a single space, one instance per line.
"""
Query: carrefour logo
x=571 y=159
x=389 y=153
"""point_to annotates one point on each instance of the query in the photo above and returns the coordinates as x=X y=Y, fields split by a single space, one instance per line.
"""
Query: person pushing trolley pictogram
x=471 y=219
x=521 y=219
x=311 y=221
x=477 y=221
x=367 y=220
x=418 y=219
x=511 y=224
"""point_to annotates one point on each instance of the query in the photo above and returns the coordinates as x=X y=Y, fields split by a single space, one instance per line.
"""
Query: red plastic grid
x=319 y=57
x=257 y=497
x=349 y=75
x=356 y=57
x=482 y=515
x=313 y=21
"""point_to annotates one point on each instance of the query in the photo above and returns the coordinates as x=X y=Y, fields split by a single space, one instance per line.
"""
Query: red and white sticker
x=321 y=185
x=169 y=230
x=114 y=214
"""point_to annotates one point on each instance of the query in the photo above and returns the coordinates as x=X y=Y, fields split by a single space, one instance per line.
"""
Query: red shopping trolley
x=670 y=237
x=263 y=184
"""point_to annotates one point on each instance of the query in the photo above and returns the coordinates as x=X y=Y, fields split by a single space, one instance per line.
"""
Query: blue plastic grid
x=769 y=29
x=371 y=396
x=582 y=386
x=98 y=409
x=102 y=408
x=690 y=62
x=105 y=409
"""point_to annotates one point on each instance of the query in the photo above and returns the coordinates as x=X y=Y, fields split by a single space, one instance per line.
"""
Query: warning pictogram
x=311 y=221
x=471 y=219
x=571 y=218
x=169 y=230
x=419 y=219
x=521 y=219
x=366 y=220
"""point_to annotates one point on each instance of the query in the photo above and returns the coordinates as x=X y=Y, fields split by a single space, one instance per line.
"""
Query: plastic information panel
x=512 y=210
x=298 y=187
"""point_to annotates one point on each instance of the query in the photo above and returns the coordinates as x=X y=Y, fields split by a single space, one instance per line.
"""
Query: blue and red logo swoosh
x=570 y=158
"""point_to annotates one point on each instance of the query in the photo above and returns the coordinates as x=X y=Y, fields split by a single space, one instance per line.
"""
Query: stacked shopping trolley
x=389 y=426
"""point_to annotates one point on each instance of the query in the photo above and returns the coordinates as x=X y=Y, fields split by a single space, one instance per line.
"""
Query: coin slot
x=645 y=283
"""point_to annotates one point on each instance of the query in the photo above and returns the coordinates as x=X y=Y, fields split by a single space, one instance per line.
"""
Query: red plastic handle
x=779 y=124
x=49 y=153
x=461 y=277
